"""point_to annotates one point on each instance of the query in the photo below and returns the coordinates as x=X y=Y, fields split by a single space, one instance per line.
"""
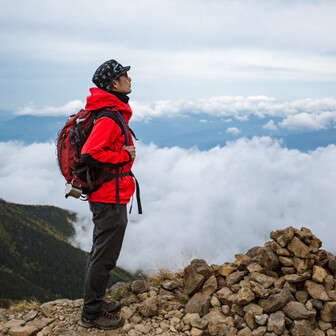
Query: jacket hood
x=100 y=99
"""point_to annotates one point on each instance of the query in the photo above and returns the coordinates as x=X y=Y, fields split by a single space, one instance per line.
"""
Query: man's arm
x=99 y=149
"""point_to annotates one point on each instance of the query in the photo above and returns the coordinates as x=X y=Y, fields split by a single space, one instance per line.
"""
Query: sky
x=186 y=49
x=233 y=60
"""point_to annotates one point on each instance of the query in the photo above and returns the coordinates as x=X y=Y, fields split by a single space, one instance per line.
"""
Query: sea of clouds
x=206 y=204
x=306 y=114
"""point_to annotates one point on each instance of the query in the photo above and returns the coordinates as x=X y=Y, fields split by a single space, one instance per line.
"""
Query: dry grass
x=167 y=270
x=24 y=306
x=160 y=275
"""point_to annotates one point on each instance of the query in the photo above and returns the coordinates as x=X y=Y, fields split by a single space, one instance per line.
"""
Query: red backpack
x=81 y=178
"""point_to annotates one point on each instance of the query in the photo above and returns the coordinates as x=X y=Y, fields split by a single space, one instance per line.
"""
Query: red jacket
x=105 y=144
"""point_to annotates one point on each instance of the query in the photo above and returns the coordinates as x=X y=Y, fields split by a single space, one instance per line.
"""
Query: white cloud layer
x=313 y=114
x=217 y=202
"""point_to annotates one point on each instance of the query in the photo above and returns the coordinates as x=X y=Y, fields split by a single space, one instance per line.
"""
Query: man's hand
x=131 y=150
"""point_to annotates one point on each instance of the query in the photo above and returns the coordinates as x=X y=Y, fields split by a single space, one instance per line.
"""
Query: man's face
x=122 y=84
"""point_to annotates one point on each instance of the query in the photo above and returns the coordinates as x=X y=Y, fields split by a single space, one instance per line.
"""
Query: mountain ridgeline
x=36 y=260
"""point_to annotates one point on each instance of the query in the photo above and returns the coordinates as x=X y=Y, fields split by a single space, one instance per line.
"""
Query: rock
x=210 y=286
x=149 y=307
x=328 y=313
x=144 y=329
x=242 y=258
x=192 y=280
x=214 y=317
x=276 y=323
x=127 y=312
x=215 y=302
x=235 y=277
x=226 y=270
x=318 y=332
x=283 y=237
x=261 y=319
x=301 y=328
x=260 y=331
x=201 y=267
x=14 y=323
x=254 y=267
x=196 y=332
x=319 y=274
x=324 y=326
x=297 y=277
x=254 y=308
x=169 y=285
x=301 y=296
x=253 y=252
x=262 y=279
x=30 y=316
x=245 y=332
x=332 y=263
x=259 y=290
x=40 y=324
x=268 y=258
x=301 y=265
x=297 y=311
x=286 y=261
x=139 y=286
x=23 y=331
x=298 y=248
x=119 y=290
x=199 y=303
x=199 y=323
x=181 y=296
x=46 y=309
x=224 y=295
x=277 y=301
x=245 y=296
x=316 y=291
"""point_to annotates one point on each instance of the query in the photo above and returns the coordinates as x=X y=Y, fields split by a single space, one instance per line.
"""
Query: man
x=107 y=147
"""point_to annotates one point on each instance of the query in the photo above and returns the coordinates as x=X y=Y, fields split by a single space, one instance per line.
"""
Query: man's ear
x=115 y=84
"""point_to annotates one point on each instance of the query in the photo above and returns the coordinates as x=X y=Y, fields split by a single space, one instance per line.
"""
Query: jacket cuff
x=129 y=155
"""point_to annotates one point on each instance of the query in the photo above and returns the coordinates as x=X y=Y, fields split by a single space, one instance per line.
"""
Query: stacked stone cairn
x=286 y=287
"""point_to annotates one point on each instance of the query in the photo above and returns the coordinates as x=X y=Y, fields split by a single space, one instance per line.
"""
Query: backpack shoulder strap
x=106 y=113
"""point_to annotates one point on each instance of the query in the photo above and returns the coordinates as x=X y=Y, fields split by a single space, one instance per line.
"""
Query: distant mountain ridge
x=200 y=130
x=36 y=261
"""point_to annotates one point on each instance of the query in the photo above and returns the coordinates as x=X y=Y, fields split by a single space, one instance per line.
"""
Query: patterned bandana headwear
x=107 y=73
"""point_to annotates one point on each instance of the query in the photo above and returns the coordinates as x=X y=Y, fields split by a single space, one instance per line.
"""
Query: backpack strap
x=108 y=175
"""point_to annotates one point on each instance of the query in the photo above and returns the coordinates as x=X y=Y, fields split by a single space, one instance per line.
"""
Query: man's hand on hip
x=131 y=150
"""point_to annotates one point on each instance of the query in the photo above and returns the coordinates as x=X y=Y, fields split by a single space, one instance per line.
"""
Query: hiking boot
x=106 y=321
x=112 y=307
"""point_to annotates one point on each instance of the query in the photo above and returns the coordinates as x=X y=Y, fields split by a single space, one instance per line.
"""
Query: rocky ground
x=286 y=287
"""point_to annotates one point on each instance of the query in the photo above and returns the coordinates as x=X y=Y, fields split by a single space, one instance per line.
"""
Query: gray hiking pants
x=108 y=235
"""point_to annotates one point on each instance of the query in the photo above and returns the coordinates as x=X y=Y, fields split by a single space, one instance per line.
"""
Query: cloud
x=233 y=130
x=307 y=113
x=217 y=202
x=313 y=121
x=270 y=126
x=67 y=109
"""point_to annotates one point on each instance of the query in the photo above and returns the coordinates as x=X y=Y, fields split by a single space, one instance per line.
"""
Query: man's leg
x=108 y=236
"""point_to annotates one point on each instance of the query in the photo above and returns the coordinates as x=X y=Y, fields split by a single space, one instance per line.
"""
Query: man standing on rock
x=109 y=145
